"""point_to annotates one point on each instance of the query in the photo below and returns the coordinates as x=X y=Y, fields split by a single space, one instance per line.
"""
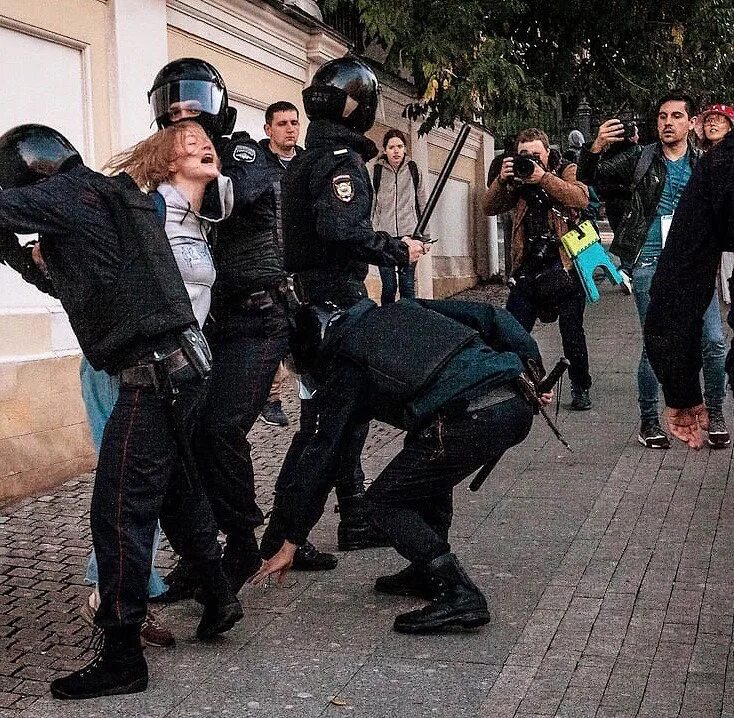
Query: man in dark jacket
x=657 y=175
x=249 y=328
x=685 y=281
x=282 y=127
x=453 y=386
x=329 y=240
x=110 y=263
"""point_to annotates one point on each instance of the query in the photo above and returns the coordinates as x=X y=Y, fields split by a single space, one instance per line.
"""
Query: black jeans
x=247 y=346
x=347 y=476
x=570 y=324
x=138 y=456
x=411 y=501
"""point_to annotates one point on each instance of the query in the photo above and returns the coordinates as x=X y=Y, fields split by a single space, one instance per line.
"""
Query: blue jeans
x=100 y=392
x=713 y=348
x=405 y=278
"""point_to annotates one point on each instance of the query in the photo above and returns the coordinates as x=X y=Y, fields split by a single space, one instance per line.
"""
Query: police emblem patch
x=244 y=153
x=343 y=187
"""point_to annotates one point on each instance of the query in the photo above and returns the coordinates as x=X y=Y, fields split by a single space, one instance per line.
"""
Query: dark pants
x=137 y=458
x=405 y=279
x=411 y=500
x=347 y=477
x=247 y=347
x=570 y=324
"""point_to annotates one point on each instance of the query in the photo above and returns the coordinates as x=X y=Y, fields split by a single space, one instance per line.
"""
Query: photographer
x=545 y=194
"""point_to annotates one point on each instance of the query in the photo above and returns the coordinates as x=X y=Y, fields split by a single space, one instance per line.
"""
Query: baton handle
x=556 y=373
x=441 y=181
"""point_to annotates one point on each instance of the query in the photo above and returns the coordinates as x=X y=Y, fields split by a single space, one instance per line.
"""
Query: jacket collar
x=325 y=133
x=273 y=156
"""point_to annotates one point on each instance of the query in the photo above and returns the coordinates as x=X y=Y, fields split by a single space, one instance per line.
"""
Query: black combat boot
x=309 y=558
x=118 y=667
x=240 y=560
x=459 y=603
x=411 y=581
x=221 y=607
x=182 y=583
x=355 y=532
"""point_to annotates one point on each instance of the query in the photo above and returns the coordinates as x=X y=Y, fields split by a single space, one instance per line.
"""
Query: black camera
x=523 y=167
x=630 y=129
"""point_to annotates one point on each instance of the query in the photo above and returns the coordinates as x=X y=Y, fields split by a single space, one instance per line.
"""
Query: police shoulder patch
x=343 y=187
x=244 y=153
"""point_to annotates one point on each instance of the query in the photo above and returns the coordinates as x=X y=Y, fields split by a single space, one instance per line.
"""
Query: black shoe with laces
x=580 y=399
x=309 y=558
x=182 y=584
x=652 y=436
x=273 y=415
x=222 y=610
x=459 y=603
x=118 y=667
x=718 y=433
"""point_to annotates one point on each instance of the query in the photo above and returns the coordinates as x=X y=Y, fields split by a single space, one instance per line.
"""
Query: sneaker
x=580 y=399
x=181 y=582
x=89 y=607
x=652 y=436
x=154 y=633
x=273 y=415
x=626 y=285
x=718 y=433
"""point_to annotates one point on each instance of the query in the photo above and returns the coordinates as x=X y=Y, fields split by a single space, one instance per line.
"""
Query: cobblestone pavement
x=609 y=573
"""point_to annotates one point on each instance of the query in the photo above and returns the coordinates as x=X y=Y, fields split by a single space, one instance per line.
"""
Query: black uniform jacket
x=246 y=251
x=495 y=358
x=685 y=280
x=109 y=261
x=327 y=231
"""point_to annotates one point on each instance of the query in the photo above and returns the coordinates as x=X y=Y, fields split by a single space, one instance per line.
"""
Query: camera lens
x=523 y=167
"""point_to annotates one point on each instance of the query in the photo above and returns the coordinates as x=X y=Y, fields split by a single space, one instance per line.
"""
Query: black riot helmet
x=344 y=90
x=199 y=87
x=30 y=153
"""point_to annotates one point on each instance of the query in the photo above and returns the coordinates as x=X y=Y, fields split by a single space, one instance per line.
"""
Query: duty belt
x=145 y=375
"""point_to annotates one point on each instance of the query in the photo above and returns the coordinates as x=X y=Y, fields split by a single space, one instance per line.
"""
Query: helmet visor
x=186 y=98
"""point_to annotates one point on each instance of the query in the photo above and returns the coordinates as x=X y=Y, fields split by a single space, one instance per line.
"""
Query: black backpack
x=413 y=167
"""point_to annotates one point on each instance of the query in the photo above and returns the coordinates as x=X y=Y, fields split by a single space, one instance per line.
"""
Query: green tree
x=503 y=62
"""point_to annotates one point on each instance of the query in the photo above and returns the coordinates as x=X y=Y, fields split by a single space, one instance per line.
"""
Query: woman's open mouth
x=207 y=160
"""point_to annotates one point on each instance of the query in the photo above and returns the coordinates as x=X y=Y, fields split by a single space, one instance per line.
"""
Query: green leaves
x=507 y=62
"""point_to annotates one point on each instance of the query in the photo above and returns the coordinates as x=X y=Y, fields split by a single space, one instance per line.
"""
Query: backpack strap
x=377 y=177
x=160 y=205
x=644 y=162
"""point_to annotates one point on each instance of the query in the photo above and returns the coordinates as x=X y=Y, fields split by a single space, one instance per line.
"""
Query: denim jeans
x=405 y=279
x=713 y=348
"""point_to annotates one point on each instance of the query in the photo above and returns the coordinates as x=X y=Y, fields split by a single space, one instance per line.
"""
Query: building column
x=138 y=50
x=493 y=254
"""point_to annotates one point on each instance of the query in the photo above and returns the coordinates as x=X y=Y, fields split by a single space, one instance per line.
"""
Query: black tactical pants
x=411 y=500
x=248 y=345
x=138 y=456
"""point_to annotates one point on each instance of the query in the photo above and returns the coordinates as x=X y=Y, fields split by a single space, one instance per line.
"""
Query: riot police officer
x=110 y=263
x=329 y=240
x=248 y=331
x=452 y=374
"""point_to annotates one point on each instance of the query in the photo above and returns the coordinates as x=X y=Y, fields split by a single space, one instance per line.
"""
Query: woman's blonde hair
x=149 y=162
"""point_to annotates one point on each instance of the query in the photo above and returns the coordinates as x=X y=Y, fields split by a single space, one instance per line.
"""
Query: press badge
x=665 y=221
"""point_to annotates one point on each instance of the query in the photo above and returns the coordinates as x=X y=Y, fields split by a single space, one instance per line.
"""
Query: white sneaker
x=90 y=606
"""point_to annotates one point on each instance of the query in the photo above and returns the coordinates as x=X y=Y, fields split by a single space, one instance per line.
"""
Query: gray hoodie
x=188 y=232
x=393 y=206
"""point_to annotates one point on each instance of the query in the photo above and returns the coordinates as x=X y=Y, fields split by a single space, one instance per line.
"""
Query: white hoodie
x=188 y=232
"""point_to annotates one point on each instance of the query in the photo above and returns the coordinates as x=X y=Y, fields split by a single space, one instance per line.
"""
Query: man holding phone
x=657 y=174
